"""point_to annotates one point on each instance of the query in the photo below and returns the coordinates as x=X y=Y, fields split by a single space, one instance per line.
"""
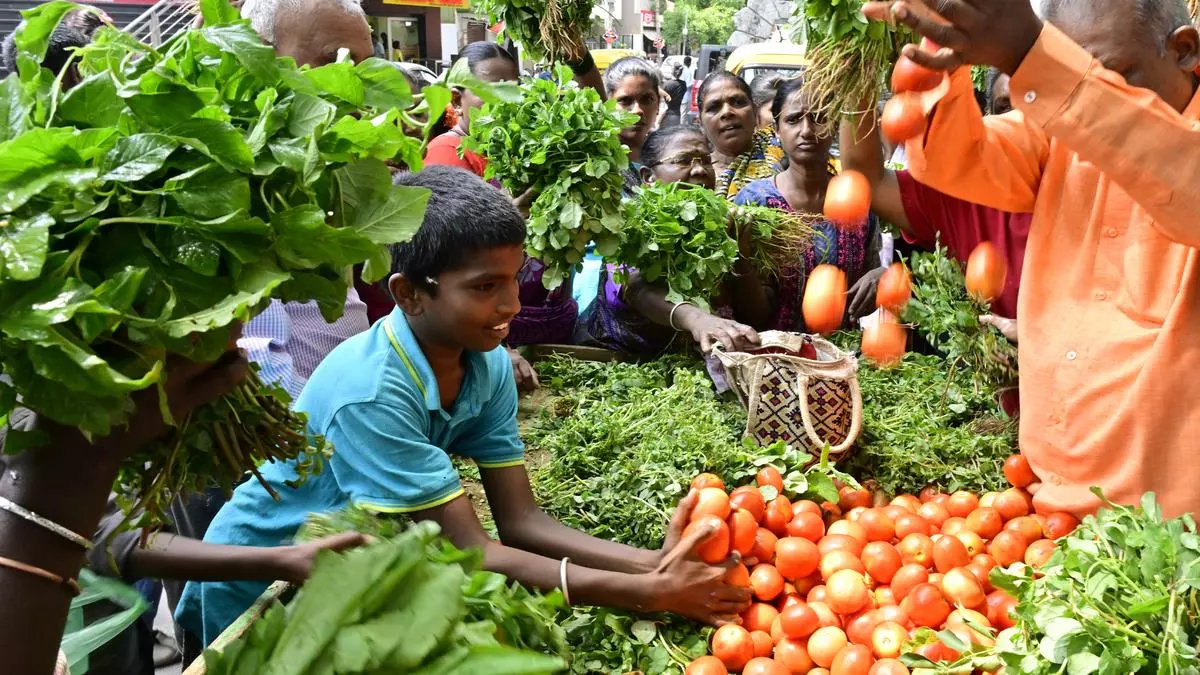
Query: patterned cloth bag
x=799 y=389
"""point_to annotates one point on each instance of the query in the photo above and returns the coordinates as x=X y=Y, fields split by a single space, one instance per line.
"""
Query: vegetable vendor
x=430 y=381
x=1103 y=155
x=742 y=152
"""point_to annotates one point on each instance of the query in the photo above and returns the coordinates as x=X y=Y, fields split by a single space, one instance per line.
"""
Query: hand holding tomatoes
x=686 y=585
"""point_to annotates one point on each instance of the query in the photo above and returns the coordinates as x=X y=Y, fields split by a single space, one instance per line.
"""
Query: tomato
x=849 y=498
x=826 y=615
x=1000 y=606
x=1026 y=526
x=706 y=665
x=985 y=522
x=1011 y=504
x=988 y=500
x=908 y=75
x=763 y=644
x=981 y=574
x=1039 y=552
x=749 y=498
x=733 y=645
x=778 y=515
x=907 y=502
x=908 y=577
x=962 y=503
x=738 y=575
x=850 y=529
x=903 y=118
x=761 y=665
x=769 y=475
x=894 y=512
x=859 y=626
x=876 y=525
x=884 y=595
x=852 y=660
x=792 y=654
x=715 y=547
x=893 y=613
x=894 y=290
x=987 y=271
x=885 y=341
x=848 y=199
x=835 y=561
x=1060 y=524
x=796 y=557
x=888 y=639
x=742 y=530
x=954 y=525
x=711 y=501
x=806 y=524
x=759 y=616
x=927 y=606
x=705 y=480
x=799 y=621
x=973 y=542
x=916 y=548
x=933 y=513
x=1007 y=548
x=948 y=553
x=1017 y=471
x=766 y=582
x=881 y=560
x=817 y=594
x=839 y=542
x=806 y=584
x=937 y=652
x=764 y=545
x=824 y=304
x=807 y=506
x=962 y=588
x=888 y=667
x=824 y=645
x=911 y=523
x=847 y=591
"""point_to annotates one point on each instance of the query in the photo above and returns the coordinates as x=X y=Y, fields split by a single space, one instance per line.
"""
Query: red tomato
x=907 y=578
x=817 y=594
x=884 y=596
x=1000 y=606
x=826 y=615
x=849 y=498
x=766 y=582
x=806 y=524
x=764 y=545
x=839 y=542
x=893 y=613
x=763 y=644
x=793 y=655
x=799 y=621
x=962 y=588
x=1007 y=548
x=1039 y=552
x=985 y=522
x=888 y=667
x=1026 y=526
x=1060 y=524
x=733 y=645
x=988 y=500
x=778 y=515
x=981 y=574
x=852 y=660
x=769 y=475
x=711 y=500
x=962 y=503
x=847 y=591
x=738 y=575
x=903 y=118
x=706 y=665
x=715 y=547
x=749 y=498
x=877 y=525
x=894 y=290
x=987 y=271
x=961 y=617
x=948 y=553
x=824 y=645
x=742 y=530
x=881 y=560
x=835 y=561
x=972 y=541
x=911 y=523
x=928 y=492
x=848 y=199
x=916 y=548
x=824 y=303
x=1017 y=471
x=885 y=341
x=830 y=512
x=1011 y=504
x=859 y=626
x=796 y=557
x=777 y=631
x=954 y=525
x=759 y=616
x=761 y=665
x=888 y=639
x=806 y=584
x=937 y=652
x=927 y=606
x=807 y=506
x=894 y=511
x=935 y=514
x=907 y=502
x=707 y=480
x=908 y=75
x=850 y=529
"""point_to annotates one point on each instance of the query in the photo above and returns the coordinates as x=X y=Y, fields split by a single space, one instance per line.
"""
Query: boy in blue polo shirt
x=432 y=380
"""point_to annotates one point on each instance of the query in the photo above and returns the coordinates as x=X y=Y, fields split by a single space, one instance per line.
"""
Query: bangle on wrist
x=562 y=578
x=671 y=316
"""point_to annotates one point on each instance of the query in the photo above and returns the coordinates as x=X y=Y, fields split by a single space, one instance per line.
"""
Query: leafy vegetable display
x=410 y=604
x=167 y=198
x=562 y=142
x=548 y=30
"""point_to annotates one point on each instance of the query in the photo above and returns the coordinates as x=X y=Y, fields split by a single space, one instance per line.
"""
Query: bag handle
x=855 y=415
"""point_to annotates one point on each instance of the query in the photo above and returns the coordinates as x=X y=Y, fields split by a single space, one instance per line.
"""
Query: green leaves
x=23 y=246
x=373 y=207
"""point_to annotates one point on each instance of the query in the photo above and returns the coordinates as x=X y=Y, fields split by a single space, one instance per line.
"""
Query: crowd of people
x=1087 y=186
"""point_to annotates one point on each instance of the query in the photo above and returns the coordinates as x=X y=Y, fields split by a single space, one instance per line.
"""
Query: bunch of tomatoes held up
x=840 y=588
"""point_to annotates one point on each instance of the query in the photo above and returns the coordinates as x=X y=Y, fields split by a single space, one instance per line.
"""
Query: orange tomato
x=769 y=475
x=817 y=594
x=1039 y=552
x=1018 y=472
x=985 y=522
x=916 y=548
x=836 y=561
x=742 y=530
x=973 y=542
x=792 y=654
x=888 y=667
x=907 y=578
x=799 y=621
x=763 y=644
x=796 y=557
x=839 y=542
x=934 y=513
x=761 y=665
x=759 y=616
x=849 y=498
x=903 y=118
x=1060 y=524
x=894 y=290
x=738 y=575
x=733 y=645
x=908 y=75
x=895 y=511
x=764 y=545
x=807 y=506
x=848 y=199
x=907 y=502
x=885 y=341
x=888 y=639
x=884 y=596
x=1007 y=548
x=1026 y=526
x=877 y=525
x=948 y=553
x=962 y=588
x=824 y=304
x=826 y=615
x=824 y=645
x=847 y=591
x=962 y=503
x=1000 y=606
x=806 y=524
x=706 y=665
x=779 y=514
x=981 y=574
x=850 y=529
x=852 y=660
x=893 y=613
x=911 y=523
x=954 y=525
x=715 y=547
x=927 y=606
x=881 y=560
x=860 y=626
x=711 y=501
x=1011 y=504
x=987 y=271
x=705 y=480
x=776 y=631
x=988 y=500
x=766 y=582
x=749 y=498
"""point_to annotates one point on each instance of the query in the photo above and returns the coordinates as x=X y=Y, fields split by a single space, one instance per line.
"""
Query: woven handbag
x=799 y=389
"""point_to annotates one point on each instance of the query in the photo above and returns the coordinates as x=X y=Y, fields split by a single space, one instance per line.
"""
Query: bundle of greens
x=400 y=606
x=562 y=142
x=549 y=30
x=849 y=57
x=948 y=317
x=166 y=198
x=778 y=238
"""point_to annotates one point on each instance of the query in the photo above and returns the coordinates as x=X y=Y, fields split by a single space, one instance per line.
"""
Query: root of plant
x=843 y=76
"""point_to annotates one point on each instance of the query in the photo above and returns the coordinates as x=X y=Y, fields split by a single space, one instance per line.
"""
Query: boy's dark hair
x=659 y=141
x=464 y=216
x=73 y=32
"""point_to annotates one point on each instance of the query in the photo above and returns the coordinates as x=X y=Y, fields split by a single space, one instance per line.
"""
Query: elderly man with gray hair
x=311 y=31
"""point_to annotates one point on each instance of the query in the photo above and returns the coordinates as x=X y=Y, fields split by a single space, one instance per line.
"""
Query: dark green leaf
x=33 y=35
x=217 y=140
x=384 y=85
x=91 y=103
x=372 y=207
x=135 y=157
x=305 y=240
x=240 y=40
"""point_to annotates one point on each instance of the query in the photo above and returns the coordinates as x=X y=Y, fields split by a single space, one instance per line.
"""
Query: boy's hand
x=687 y=586
x=296 y=562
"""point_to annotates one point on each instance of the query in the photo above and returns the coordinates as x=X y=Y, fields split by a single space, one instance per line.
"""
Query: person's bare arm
x=168 y=556
x=706 y=329
x=862 y=152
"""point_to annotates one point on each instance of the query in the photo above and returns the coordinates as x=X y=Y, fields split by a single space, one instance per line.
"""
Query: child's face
x=473 y=304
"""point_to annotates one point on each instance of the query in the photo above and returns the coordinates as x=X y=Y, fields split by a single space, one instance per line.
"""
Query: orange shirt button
x=1110 y=232
x=1101 y=295
x=1071 y=356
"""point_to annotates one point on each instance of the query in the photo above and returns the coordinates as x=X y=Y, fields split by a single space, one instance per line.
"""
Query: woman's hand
x=708 y=330
x=862 y=294
x=1007 y=327
x=296 y=562
x=527 y=379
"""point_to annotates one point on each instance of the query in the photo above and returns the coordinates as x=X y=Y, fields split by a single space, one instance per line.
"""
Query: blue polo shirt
x=375 y=398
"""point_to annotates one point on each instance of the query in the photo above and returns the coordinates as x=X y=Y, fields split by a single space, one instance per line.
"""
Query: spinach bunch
x=165 y=199
x=548 y=30
x=562 y=142
x=678 y=234
x=404 y=605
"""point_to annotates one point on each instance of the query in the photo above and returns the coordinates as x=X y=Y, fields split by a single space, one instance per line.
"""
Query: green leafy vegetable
x=548 y=30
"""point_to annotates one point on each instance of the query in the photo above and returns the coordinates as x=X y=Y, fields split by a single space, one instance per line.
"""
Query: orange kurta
x=1110 y=293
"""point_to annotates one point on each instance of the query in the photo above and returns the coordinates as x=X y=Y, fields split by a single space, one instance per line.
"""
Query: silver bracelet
x=22 y=512
x=562 y=580
x=671 y=316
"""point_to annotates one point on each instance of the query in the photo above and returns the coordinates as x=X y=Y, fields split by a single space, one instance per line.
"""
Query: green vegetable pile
x=562 y=142
x=548 y=30
x=163 y=200
x=410 y=604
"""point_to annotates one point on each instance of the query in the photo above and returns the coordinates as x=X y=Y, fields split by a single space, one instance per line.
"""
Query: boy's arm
x=168 y=556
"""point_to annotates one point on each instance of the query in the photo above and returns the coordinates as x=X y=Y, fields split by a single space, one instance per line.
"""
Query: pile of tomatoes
x=839 y=589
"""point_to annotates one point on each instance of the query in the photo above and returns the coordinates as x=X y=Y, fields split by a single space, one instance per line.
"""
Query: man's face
x=313 y=36
x=1001 y=99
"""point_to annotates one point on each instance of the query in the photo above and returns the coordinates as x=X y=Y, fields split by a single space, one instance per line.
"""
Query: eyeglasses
x=687 y=161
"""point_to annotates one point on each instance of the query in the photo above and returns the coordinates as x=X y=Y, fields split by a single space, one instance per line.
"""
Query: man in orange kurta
x=1110 y=293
